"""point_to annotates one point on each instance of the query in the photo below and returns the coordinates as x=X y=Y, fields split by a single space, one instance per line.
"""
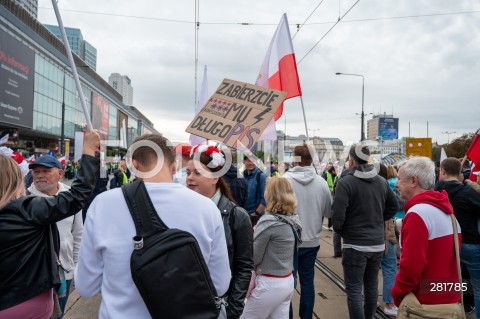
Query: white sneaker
x=391 y=312
x=330 y=228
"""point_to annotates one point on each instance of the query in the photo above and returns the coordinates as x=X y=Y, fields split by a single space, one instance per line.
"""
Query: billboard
x=17 y=68
x=388 y=128
x=100 y=111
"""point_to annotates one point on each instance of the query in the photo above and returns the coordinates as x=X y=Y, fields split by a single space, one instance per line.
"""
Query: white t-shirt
x=104 y=263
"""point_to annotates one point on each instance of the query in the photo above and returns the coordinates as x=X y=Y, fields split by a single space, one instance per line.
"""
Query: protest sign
x=237 y=111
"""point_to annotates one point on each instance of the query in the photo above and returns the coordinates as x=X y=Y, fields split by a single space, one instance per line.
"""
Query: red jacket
x=428 y=265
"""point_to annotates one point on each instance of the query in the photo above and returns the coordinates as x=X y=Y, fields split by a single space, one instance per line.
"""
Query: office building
x=31 y=6
x=123 y=85
x=382 y=127
x=83 y=49
x=39 y=102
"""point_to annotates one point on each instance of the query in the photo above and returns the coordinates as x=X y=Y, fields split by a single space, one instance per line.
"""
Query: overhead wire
x=300 y=26
x=323 y=37
x=267 y=24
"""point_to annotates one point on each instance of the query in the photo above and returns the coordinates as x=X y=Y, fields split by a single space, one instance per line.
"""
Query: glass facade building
x=78 y=45
x=41 y=91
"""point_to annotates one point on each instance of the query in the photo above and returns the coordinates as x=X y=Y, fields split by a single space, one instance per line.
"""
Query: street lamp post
x=448 y=136
x=362 y=131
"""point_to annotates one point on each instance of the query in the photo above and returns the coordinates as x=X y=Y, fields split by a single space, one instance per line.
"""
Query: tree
x=459 y=146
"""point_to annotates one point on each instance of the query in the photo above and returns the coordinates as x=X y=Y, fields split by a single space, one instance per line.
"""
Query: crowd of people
x=257 y=233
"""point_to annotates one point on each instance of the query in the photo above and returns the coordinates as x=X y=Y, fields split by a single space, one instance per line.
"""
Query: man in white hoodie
x=47 y=174
x=314 y=202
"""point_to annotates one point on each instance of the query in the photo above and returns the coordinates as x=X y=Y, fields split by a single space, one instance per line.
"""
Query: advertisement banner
x=122 y=128
x=419 y=147
x=388 y=128
x=237 y=111
x=17 y=68
x=100 y=111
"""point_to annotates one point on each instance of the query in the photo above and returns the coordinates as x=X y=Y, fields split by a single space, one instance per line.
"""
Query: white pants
x=269 y=299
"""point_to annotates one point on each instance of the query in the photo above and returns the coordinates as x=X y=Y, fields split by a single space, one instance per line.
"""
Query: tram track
x=340 y=283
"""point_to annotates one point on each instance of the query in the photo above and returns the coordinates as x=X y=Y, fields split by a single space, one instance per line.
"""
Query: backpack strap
x=141 y=208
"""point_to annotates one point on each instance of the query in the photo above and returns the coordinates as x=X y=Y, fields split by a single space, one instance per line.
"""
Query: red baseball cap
x=183 y=149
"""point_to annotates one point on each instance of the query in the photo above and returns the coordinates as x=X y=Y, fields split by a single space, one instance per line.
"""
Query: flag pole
x=304 y=118
x=465 y=157
x=72 y=66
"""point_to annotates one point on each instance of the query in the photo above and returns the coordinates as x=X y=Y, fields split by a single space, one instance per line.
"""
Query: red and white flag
x=279 y=68
x=473 y=154
x=474 y=173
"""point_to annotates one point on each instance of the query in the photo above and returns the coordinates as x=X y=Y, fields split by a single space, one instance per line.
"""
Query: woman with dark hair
x=202 y=177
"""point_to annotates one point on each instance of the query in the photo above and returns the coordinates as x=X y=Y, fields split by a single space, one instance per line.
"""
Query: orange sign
x=419 y=147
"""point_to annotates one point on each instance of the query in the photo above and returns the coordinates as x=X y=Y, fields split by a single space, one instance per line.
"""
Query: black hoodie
x=363 y=201
x=466 y=205
x=238 y=186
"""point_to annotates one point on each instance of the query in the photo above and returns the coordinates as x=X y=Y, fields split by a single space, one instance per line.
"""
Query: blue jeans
x=389 y=271
x=63 y=301
x=304 y=264
x=360 y=271
x=470 y=256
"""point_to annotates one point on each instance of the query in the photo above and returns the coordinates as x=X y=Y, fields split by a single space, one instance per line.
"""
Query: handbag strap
x=457 y=253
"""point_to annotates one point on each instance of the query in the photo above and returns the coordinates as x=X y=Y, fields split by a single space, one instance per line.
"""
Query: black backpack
x=167 y=264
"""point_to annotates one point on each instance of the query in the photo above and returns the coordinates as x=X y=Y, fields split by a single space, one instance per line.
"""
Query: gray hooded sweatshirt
x=314 y=201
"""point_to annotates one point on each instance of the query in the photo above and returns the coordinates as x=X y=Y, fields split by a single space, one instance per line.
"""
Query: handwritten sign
x=237 y=111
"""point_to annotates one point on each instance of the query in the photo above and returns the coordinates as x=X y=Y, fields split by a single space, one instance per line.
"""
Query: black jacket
x=100 y=187
x=466 y=205
x=237 y=185
x=28 y=263
x=363 y=201
x=239 y=236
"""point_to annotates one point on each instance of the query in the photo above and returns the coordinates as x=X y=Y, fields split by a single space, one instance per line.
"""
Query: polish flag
x=474 y=173
x=473 y=152
x=279 y=72
x=279 y=68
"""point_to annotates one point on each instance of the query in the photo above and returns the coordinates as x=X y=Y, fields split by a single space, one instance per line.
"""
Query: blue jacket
x=255 y=195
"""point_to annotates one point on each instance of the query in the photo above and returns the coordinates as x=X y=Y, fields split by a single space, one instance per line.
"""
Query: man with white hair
x=47 y=174
x=428 y=266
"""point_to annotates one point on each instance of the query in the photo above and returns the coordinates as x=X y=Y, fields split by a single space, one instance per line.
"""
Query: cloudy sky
x=420 y=59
